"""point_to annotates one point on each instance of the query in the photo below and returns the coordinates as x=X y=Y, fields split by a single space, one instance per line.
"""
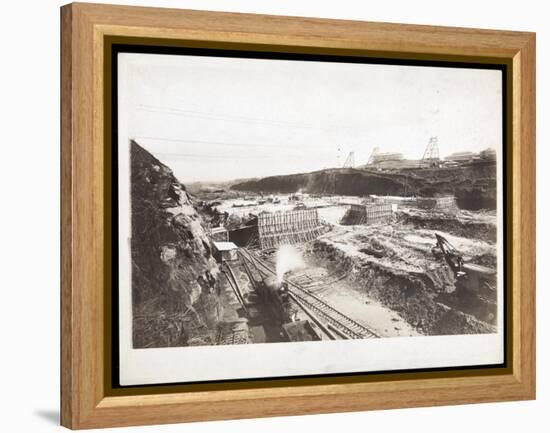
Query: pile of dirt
x=391 y=278
x=175 y=279
x=481 y=229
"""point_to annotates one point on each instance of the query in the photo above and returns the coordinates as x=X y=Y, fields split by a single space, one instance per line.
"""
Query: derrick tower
x=350 y=161
x=431 y=154
x=372 y=156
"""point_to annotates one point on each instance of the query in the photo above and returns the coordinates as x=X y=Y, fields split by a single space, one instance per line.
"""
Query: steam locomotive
x=276 y=297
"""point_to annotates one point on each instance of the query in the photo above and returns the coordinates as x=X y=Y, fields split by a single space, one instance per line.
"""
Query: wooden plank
x=68 y=394
x=524 y=217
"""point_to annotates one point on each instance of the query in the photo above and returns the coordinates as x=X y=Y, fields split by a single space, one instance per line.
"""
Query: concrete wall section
x=368 y=214
x=291 y=227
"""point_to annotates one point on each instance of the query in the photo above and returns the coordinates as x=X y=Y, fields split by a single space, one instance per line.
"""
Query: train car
x=300 y=330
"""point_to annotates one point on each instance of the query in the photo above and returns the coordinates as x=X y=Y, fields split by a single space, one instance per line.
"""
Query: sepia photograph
x=281 y=211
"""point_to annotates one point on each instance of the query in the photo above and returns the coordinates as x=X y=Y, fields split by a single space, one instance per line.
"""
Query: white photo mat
x=270 y=360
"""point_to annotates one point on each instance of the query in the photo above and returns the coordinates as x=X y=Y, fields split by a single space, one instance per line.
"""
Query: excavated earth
x=180 y=296
x=394 y=265
x=476 y=225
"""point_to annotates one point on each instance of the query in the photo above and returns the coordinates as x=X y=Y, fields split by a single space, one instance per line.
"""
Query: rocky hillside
x=474 y=186
x=175 y=285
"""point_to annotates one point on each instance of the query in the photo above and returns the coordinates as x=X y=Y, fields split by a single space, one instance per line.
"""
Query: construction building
x=386 y=160
x=225 y=251
x=430 y=158
x=462 y=156
x=488 y=154
x=396 y=161
x=394 y=164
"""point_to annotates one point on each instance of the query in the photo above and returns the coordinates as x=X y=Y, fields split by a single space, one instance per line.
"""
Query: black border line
x=272 y=55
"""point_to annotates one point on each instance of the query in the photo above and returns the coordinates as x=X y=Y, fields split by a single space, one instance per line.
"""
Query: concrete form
x=269 y=230
x=394 y=164
x=290 y=227
x=462 y=156
x=225 y=251
x=219 y=234
x=444 y=204
x=369 y=213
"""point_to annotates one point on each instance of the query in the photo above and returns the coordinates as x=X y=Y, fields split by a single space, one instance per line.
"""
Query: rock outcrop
x=175 y=279
x=474 y=185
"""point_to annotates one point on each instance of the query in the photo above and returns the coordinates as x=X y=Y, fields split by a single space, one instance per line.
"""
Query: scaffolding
x=350 y=160
x=291 y=227
x=431 y=154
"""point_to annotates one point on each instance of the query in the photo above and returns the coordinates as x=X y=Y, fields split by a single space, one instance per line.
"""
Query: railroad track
x=317 y=286
x=342 y=324
x=234 y=284
x=305 y=281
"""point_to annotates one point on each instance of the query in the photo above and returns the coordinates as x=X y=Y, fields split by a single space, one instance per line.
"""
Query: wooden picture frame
x=88 y=399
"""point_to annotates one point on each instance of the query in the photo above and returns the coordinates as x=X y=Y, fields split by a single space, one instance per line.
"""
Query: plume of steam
x=288 y=259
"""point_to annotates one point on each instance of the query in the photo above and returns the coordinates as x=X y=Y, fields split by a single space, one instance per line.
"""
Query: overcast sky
x=211 y=118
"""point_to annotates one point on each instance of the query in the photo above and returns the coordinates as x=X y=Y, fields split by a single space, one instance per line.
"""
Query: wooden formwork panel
x=369 y=213
x=291 y=227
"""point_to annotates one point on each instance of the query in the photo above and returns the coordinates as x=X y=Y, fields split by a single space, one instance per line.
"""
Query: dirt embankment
x=473 y=185
x=459 y=225
x=404 y=289
x=175 y=280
